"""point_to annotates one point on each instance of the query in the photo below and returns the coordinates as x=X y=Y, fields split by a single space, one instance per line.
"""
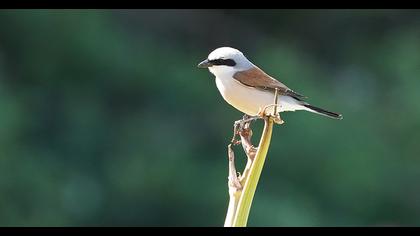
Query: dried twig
x=249 y=149
x=235 y=188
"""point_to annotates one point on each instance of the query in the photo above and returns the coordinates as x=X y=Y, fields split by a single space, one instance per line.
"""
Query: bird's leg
x=276 y=115
x=247 y=119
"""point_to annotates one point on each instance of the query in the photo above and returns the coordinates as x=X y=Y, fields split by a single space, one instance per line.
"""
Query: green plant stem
x=248 y=191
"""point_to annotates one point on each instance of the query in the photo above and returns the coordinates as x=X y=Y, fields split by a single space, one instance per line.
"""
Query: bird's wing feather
x=257 y=78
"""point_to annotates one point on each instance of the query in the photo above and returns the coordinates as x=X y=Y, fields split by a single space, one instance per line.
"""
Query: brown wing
x=259 y=79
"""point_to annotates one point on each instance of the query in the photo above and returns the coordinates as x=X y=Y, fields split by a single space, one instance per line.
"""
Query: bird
x=250 y=90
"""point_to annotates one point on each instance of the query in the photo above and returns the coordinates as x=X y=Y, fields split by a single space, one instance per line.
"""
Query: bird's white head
x=226 y=61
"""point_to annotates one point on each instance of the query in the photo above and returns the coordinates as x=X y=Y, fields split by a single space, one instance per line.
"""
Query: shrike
x=249 y=89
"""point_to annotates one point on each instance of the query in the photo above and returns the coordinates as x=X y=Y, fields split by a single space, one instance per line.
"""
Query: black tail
x=324 y=112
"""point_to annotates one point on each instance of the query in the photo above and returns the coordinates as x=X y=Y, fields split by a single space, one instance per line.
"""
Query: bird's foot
x=278 y=120
x=276 y=117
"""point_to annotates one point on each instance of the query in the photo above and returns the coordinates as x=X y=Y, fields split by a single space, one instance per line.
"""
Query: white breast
x=249 y=100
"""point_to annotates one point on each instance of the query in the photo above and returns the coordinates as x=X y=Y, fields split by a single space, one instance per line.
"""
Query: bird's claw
x=276 y=118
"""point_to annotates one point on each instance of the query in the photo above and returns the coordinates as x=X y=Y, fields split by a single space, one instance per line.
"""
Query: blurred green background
x=106 y=121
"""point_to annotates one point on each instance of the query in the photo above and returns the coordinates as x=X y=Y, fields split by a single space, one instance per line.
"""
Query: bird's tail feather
x=323 y=112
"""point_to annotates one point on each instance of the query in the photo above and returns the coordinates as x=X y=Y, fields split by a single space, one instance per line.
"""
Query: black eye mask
x=223 y=62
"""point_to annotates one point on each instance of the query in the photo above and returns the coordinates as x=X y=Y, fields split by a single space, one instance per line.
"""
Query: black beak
x=204 y=64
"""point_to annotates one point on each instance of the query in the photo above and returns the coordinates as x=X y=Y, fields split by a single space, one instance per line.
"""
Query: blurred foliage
x=105 y=119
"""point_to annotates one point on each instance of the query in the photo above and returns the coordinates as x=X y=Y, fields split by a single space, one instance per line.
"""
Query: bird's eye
x=223 y=62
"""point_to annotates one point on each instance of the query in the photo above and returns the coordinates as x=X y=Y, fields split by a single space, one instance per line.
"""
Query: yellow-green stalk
x=248 y=191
